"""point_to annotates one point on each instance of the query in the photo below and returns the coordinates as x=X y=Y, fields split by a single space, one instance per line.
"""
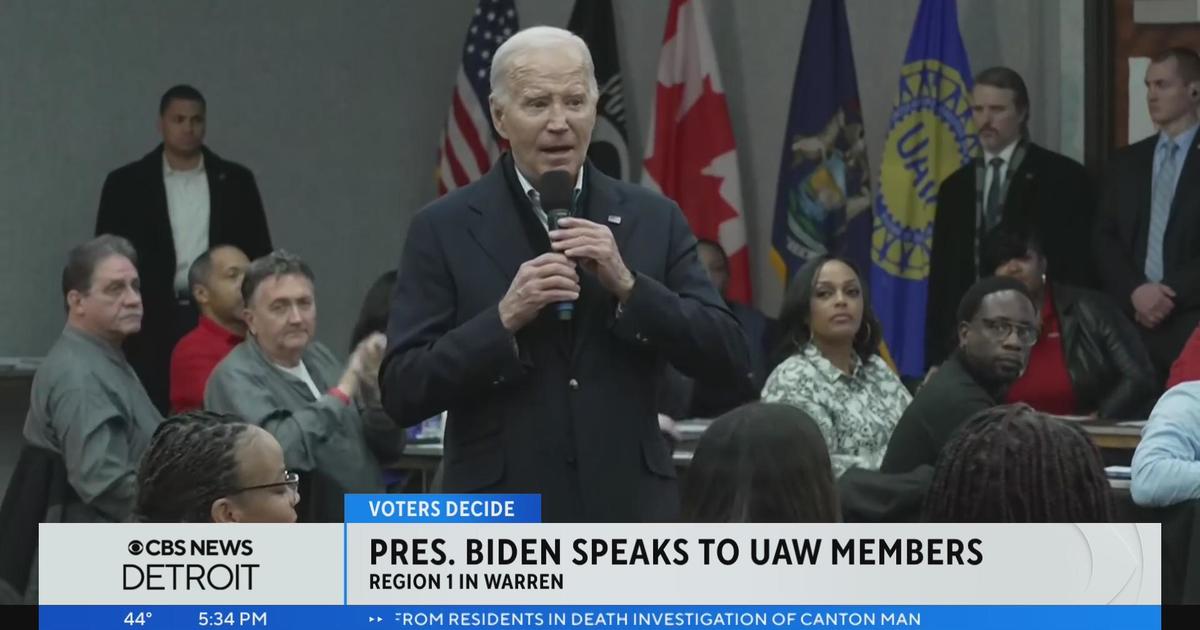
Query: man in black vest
x=173 y=205
x=1014 y=180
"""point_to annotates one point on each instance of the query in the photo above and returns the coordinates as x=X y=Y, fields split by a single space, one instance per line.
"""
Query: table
x=1114 y=438
x=1112 y=434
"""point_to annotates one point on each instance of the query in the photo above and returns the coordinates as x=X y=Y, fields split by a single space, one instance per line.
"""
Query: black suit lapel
x=499 y=229
x=1138 y=221
x=158 y=218
x=602 y=203
x=1187 y=191
x=1019 y=200
x=218 y=198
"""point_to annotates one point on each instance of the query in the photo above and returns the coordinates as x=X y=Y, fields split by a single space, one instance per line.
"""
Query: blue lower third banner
x=325 y=617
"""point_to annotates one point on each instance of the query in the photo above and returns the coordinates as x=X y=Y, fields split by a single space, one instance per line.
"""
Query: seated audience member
x=755 y=325
x=761 y=463
x=682 y=397
x=1011 y=464
x=87 y=404
x=327 y=418
x=373 y=316
x=997 y=325
x=215 y=280
x=1166 y=464
x=1187 y=366
x=204 y=467
x=372 y=319
x=1088 y=358
x=832 y=370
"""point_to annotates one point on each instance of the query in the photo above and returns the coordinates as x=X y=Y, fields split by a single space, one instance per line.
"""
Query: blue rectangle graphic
x=573 y=617
x=443 y=508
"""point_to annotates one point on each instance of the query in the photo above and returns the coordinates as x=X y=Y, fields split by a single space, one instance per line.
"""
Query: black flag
x=593 y=21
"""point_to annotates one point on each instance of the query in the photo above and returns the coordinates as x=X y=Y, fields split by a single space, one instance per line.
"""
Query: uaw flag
x=930 y=135
x=823 y=199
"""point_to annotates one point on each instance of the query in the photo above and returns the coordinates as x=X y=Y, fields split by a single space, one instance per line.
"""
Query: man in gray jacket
x=327 y=417
x=87 y=404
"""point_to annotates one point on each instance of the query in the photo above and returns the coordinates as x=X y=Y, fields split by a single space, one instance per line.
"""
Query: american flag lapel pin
x=614 y=219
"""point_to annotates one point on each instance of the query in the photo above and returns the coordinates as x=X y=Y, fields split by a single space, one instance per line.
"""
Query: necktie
x=535 y=199
x=1162 y=193
x=992 y=205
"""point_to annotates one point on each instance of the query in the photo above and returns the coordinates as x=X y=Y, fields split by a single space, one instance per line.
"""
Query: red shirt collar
x=213 y=328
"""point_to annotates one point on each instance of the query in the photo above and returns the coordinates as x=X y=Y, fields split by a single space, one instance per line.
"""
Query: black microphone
x=556 y=190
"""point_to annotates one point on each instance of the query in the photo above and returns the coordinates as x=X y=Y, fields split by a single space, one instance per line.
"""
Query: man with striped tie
x=1147 y=241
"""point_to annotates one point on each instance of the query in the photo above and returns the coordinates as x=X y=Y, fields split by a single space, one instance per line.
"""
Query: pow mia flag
x=593 y=21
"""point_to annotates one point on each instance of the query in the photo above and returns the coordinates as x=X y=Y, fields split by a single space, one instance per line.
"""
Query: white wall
x=337 y=106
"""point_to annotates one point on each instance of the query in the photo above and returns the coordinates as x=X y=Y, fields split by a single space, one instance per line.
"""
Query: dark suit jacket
x=1049 y=192
x=133 y=204
x=1120 y=242
x=568 y=415
x=681 y=397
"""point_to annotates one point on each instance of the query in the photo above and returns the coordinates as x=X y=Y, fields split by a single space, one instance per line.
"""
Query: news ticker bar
x=544 y=617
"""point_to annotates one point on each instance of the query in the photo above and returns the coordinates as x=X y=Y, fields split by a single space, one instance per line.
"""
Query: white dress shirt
x=301 y=372
x=1004 y=154
x=188 y=209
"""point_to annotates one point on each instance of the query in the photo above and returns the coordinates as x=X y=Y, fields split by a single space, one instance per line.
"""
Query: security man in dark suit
x=536 y=404
x=1147 y=240
x=1014 y=180
x=173 y=205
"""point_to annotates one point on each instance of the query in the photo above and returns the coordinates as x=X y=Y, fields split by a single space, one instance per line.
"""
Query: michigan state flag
x=930 y=135
x=823 y=198
x=593 y=21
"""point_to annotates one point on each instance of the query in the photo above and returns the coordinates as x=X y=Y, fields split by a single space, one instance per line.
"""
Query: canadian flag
x=691 y=155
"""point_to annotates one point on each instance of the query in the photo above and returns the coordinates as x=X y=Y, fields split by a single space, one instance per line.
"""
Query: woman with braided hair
x=206 y=467
x=1011 y=464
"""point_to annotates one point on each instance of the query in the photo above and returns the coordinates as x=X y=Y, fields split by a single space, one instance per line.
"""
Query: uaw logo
x=930 y=135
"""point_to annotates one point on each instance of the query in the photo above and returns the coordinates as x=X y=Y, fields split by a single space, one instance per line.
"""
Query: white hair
x=537 y=38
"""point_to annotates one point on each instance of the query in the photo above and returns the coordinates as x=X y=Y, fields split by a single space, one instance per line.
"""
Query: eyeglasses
x=1000 y=329
x=290 y=479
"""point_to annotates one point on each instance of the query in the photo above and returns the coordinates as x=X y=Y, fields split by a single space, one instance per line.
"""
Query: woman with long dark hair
x=761 y=463
x=829 y=365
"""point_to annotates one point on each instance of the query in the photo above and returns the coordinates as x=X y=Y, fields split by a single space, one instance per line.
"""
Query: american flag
x=469 y=145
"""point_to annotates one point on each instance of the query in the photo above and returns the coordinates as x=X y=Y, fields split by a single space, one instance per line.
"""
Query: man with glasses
x=87 y=404
x=997 y=326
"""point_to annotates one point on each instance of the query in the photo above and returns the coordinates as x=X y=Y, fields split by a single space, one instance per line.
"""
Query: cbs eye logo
x=156 y=547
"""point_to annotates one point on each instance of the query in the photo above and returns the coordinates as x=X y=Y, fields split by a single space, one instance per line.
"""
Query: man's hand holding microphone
x=552 y=277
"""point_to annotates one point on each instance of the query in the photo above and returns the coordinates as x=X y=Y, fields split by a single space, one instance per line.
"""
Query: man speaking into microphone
x=543 y=336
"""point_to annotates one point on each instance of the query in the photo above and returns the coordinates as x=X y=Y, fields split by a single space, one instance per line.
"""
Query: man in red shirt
x=215 y=280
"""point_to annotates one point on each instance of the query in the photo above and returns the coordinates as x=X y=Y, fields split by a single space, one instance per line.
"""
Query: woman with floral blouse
x=829 y=365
